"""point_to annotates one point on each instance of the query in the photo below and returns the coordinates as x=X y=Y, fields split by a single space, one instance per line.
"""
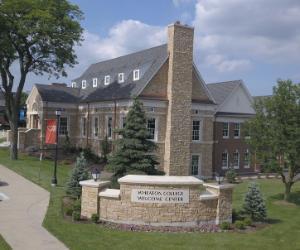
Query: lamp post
x=95 y=174
x=54 y=178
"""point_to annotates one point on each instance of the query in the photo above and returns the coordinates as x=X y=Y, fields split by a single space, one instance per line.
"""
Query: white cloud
x=177 y=3
x=223 y=64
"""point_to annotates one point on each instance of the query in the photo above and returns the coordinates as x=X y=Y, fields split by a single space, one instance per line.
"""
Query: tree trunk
x=14 y=135
x=287 y=191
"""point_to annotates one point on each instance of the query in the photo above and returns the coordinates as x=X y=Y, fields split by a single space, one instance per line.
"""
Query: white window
x=95 y=82
x=83 y=84
x=123 y=122
x=73 y=84
x=109 y=127
x=225 y=130
x=106 y=80
x=83 y=126
x=195 y=165
x=96 y=127
x=63 y=126
x=196 y=130
x=247 y=159
x=120 y=77
x=225 y=159
x=237 y=128
x=236 y=159
x=151 y=126
x=136 y=75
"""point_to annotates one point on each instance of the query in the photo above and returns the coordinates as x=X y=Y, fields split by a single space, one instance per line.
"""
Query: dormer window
x=73 y=84
x=95 y=82
x=136 y=75
x=121 y=77
x=106 y=80
x=83 y=84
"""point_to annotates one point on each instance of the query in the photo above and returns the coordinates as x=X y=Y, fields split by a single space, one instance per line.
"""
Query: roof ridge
x=230 y=81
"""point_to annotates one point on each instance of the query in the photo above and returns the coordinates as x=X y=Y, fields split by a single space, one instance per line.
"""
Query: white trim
x=247 y=166
x=228 y=130
x=73 y=84
x=223 y=167
x=199 y=164
x=239 y=156
x=95 y=82
x=83 y=84
x=106 y=126
x=136 y=78
x=231 y=119
x=156 y=127
x=107 y=80
x=200 y=129
x=94 y=128
x=122 y=78
x=239 y=125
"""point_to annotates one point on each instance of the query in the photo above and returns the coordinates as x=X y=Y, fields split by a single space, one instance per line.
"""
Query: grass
x=3 y=139
x=283 y=233
x=3 y=244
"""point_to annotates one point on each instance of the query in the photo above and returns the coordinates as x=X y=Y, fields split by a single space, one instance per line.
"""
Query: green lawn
x=3 y=244
x=284 y=233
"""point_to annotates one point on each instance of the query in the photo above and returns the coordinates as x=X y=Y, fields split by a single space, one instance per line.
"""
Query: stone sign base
x=158 y=201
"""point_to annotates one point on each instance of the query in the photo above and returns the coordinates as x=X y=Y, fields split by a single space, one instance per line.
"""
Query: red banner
x=51 y=132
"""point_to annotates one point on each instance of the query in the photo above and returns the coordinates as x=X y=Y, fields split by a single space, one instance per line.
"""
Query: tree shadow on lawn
x=293 y=200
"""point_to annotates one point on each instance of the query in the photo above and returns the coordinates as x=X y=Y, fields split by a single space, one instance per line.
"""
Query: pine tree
x=254 y=204
x=79 y=173
x=133 y=148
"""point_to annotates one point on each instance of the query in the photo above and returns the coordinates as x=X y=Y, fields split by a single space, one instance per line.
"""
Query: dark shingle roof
x=58 y=93
x=148 y=62
x=221 y=90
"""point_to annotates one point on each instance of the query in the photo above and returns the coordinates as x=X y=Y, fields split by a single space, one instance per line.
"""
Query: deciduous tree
x=37 y=36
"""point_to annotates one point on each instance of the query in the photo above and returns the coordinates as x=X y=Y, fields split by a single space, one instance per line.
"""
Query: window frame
x=136 y=78
x=83 y=127
x=155 y=135
x=247 y=152
x=109 y=130
x=238 y=159
x=83 y=84
x=198 y=165
x=107 y=80
x=227 y=160
x=199 y=131
x=228 y=126
x=94 y=127
x=123 y=78
x=73 y=84
x=95 y=82
x=67 y=127
x=235 y=129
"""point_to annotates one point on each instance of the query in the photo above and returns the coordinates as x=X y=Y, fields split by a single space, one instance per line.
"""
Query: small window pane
x=95 y=82
x=96 y=127
x=151 y=128
x=196 y=131
x=83 y=84
x=225 y=129
x=83 y=126
x=121 y=77
x=247 y=159
x=224 y=160
x=63 y=126
x=106 y=80
x=236 y=159
x=136 y=74
x=237 y=130
x=109 y=127
x=195 y=165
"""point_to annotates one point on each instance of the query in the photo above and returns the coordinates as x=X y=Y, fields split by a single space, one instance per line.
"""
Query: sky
x=253 y=40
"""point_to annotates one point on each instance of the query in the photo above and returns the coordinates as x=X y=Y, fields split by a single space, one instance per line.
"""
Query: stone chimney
x=178 y=131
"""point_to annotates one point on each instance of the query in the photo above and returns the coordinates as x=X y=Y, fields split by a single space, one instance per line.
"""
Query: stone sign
x=160 y=195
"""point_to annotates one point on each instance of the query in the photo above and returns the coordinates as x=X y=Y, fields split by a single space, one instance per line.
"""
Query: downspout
x=88 y=125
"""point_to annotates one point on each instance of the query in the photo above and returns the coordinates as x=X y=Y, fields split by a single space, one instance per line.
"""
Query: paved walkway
x=22 y=214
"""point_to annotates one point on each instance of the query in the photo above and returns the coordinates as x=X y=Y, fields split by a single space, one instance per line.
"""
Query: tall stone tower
x=178 y=130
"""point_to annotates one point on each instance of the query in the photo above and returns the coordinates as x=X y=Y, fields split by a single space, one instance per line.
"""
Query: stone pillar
x=179 y=92
x=224 y=207
x=90 y=197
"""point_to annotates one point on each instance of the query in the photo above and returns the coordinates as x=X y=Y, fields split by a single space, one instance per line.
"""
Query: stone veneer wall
x=210 y=207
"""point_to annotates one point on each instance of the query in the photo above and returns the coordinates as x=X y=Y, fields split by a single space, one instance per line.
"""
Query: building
x=183 y=112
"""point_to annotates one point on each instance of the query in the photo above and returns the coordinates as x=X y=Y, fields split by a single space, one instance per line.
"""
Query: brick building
x=182 y=111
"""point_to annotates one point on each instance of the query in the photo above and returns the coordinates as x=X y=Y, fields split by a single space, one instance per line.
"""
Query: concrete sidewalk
x=22 y=214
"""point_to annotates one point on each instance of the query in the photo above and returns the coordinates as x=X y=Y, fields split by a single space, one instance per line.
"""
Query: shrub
x=76 y=216
x=90 y=156
x=254 y=204
x=66 y=144
x=77 y=205
x=105 y=149
x=231 y=175
x=225 y=225
x=239 y=224
x=79 y=173
x=69 y=211
x=95 y=218
x=248 y=221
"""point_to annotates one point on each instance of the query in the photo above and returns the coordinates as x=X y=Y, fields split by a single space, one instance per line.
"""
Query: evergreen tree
x=79 y=173
x=105 y=148
x=254 y=204
x=133 y=148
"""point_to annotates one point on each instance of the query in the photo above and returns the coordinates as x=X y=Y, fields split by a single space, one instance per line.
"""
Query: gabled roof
x=221 y=90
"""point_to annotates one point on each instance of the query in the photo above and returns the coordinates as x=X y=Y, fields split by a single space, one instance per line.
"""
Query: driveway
x=22 y=213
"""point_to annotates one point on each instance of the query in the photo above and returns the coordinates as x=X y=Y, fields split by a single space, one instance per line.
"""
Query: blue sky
x=253 y=40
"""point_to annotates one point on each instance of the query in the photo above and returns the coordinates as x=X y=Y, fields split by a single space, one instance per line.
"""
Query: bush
x=79 y=173
x=69 y=211
x=239 y=224
x=231 y=175
x=90 y=156
x=77 y=206
x=95 y=218
x=254 y=204
x=76 y=216
x=105 y=149
x=225 y=225
x=248 y=221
